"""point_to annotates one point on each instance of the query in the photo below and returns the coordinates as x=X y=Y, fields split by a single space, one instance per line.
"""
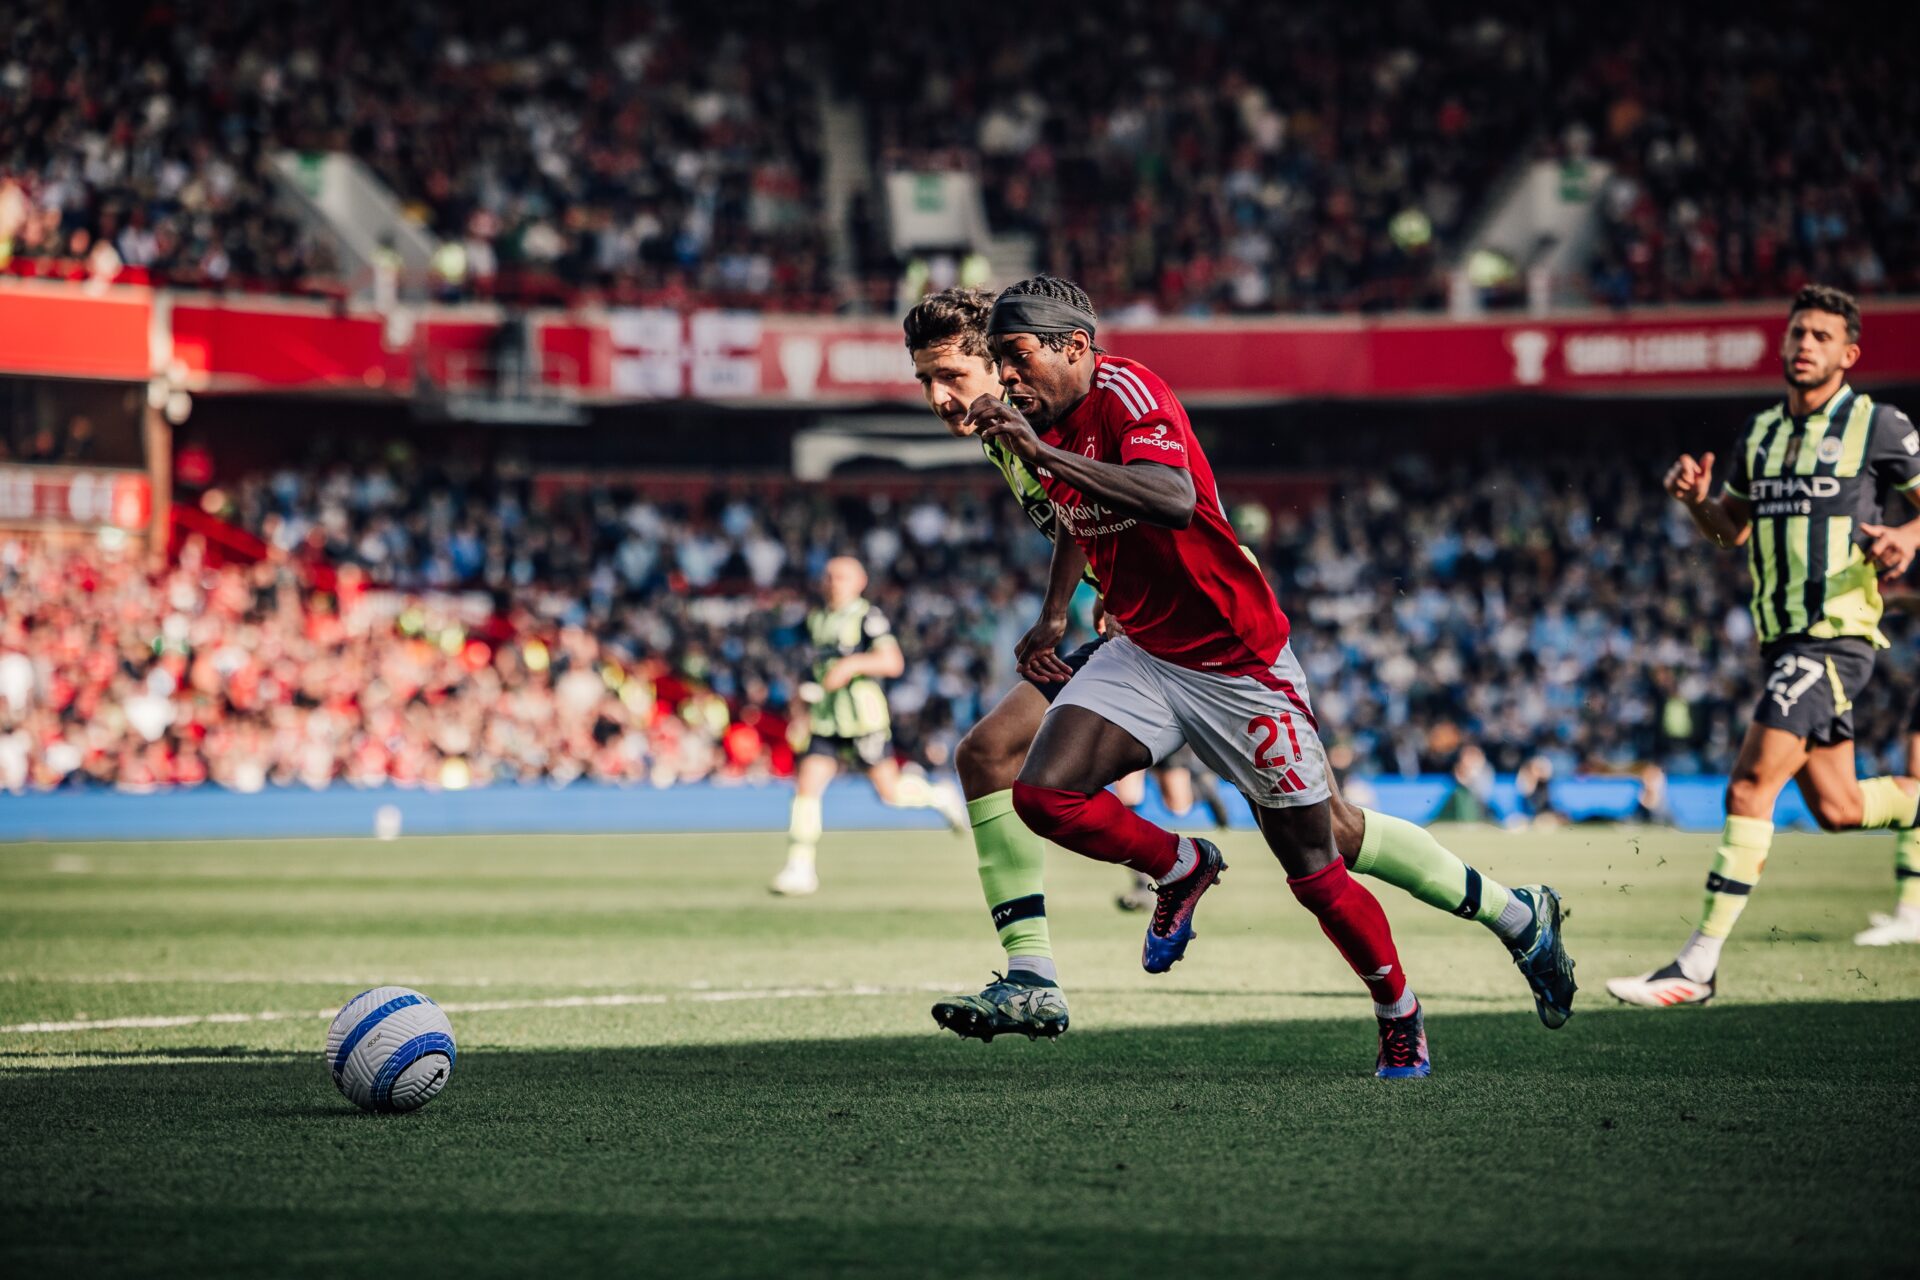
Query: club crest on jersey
x=1829 y=450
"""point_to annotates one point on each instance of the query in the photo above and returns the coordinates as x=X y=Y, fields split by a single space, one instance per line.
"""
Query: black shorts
x=1077 y=659
x=1913 y=715
x=863 y=752
x=1812 y=685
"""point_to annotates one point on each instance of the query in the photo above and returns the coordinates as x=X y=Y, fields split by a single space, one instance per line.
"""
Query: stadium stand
x=665 y=151
x=1752 y=155
x=1225 y=158
x=663 y=638
x=1229 y=158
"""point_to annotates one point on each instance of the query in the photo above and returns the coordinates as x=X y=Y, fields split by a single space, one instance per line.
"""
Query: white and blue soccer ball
x=390 y=1049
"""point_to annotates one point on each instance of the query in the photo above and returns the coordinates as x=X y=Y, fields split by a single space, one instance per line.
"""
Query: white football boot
x=951 y=805
x=1888 y=931
x=796 y=880
x=1661 y=989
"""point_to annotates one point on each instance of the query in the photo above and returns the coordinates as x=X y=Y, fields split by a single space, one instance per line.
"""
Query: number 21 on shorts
x=1268 y=753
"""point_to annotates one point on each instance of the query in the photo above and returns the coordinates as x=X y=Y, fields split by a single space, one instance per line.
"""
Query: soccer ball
x=390 y=1049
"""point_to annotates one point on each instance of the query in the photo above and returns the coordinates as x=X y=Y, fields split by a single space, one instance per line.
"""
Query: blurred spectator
x=1534 y=785
x=78 y=443
x=1651 y=805
x=1470 y=799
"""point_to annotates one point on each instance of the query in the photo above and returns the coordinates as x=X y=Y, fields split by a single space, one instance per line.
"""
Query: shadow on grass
x=1736 y=1140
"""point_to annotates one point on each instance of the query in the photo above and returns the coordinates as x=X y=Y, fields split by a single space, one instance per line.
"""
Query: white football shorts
x=1256 y=731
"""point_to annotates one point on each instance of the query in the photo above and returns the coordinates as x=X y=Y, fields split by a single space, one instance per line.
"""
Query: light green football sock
x=1406 y=856
x=1012 y=866
x=1885 y=803
x=803 y=829
x=1737 y=864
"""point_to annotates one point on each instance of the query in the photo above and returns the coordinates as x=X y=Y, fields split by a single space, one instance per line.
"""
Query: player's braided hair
x=1046 y=286
x=1837 y=302
x=952 y=315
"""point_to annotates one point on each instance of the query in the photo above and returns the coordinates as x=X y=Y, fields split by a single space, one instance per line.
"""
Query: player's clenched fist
x=1689 y=481
x=999 y=420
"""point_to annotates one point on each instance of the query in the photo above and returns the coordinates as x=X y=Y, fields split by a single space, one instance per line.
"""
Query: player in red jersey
x=947 y=334
x=1204 y=658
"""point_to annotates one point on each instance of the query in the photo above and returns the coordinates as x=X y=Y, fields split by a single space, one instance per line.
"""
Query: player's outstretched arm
x=1725 y=521
x=1148 y=491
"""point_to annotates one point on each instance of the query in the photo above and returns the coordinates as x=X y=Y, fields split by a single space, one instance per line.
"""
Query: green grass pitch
x=664 y=1071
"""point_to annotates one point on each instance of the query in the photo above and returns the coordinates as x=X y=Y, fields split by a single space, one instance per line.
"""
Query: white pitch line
x=188 y=978
x=477 y=1006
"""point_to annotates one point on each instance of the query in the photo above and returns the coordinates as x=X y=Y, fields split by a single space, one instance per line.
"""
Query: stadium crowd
x=483 y=628
x=1178 y=159
x=1752 y=154
x=550 y=147
x=1231 y=157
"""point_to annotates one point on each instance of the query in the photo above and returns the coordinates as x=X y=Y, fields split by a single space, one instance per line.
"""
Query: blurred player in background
x=853 y=651
x=1203 y=660
x=1806 y=497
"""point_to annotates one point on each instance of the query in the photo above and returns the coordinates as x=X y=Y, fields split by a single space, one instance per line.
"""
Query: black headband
x=1037 y=313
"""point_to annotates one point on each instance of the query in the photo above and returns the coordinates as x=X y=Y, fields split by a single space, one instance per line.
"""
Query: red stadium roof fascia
x=225 y=343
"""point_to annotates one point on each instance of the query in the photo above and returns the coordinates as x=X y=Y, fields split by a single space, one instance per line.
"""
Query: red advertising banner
x=746 y=358
x=79 y=496
x=1226 y=361
x=64 y=330
x=264 y=344
x=248 y=344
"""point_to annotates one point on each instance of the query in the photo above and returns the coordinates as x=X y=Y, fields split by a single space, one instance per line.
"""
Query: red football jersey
x=1191 y=596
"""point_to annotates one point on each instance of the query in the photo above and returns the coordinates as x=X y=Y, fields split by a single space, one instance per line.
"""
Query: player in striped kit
x=853 y=651
x=1805 y=497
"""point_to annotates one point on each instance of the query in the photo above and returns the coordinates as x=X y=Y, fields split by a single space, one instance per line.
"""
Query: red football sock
x=1098 y=826
x=1352 y=919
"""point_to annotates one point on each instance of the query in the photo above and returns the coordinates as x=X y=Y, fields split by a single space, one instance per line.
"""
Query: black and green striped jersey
x=1027 y=492
x=1025 y=485
x=1811 y=482
x=860 y=707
